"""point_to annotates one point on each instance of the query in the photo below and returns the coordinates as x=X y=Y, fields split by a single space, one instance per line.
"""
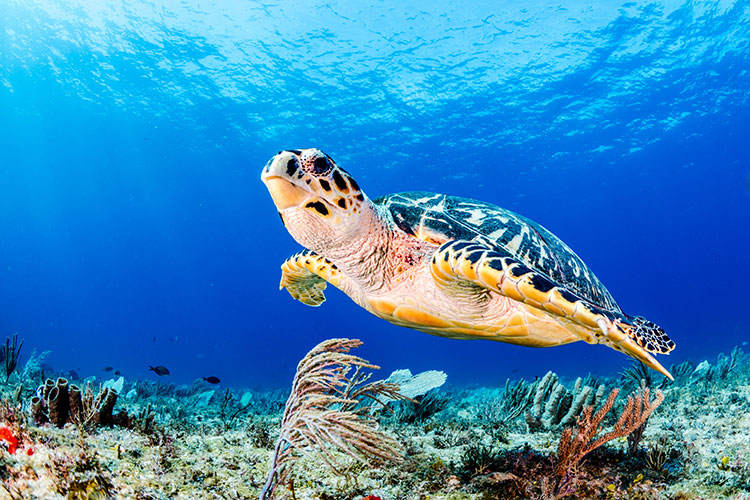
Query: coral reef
x=555 y=406
x=474 y=445
x=576 y=443
x=59 y=403
x=322 y=413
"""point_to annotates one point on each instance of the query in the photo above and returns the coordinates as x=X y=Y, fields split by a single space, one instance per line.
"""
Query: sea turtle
x=449 y=266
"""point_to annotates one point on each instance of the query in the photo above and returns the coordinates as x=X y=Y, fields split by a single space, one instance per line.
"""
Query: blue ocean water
x=134 y=229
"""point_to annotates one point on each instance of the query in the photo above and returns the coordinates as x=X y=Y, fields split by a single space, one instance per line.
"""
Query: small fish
x=211 y=379
x=159 y=370
x=107 y=369
x=117 y=372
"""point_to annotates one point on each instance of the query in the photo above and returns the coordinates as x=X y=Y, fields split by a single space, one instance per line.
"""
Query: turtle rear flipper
x=305 y=276
x=504 y=274
x=637 y=337
x=647 y=334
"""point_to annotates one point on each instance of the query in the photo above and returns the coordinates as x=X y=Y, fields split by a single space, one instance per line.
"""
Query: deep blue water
x=134 y=229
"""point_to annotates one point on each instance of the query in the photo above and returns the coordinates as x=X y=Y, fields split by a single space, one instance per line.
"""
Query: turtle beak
x=284 y=193
x=278 y=176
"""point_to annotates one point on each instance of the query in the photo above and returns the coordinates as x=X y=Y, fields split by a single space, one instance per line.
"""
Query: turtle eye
x=321 y=165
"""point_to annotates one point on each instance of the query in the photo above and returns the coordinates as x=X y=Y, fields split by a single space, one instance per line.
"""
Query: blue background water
x=135 y=229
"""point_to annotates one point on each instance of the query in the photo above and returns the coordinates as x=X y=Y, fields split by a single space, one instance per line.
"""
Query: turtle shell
x=437 y=218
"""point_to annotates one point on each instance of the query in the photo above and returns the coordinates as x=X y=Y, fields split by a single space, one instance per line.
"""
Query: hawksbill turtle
x=449 y=266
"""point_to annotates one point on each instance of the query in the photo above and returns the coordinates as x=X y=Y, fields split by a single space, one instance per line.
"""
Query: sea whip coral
x=9 y=354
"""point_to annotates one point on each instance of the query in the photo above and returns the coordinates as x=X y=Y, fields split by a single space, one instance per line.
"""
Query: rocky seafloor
x=162 y=441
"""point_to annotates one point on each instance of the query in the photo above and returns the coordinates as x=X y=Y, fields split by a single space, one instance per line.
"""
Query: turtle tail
x=650 y=336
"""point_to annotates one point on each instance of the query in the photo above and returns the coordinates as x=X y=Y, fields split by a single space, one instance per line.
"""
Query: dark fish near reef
x=107 y=369
x=211 y=380
x=117 y=372
x=159 y=370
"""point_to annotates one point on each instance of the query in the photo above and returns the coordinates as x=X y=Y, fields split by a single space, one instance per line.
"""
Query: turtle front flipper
x=305 y=276
x=506 y=275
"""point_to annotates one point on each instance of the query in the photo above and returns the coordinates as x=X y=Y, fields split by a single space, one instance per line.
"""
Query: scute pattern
x=458 y=218
x=498 y=271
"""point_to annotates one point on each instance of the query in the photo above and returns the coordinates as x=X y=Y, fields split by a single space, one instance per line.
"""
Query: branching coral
x=576 y=443
x=232 y=409
x=419 y=410
x=9 y=354
x=516 y=398
x=658 y=454
x=324 y=413
x=478 y=460
x=636 y=374
x=502 y=411
x=725 y=365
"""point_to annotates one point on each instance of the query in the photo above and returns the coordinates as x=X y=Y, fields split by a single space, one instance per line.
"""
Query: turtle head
x=319 y=202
